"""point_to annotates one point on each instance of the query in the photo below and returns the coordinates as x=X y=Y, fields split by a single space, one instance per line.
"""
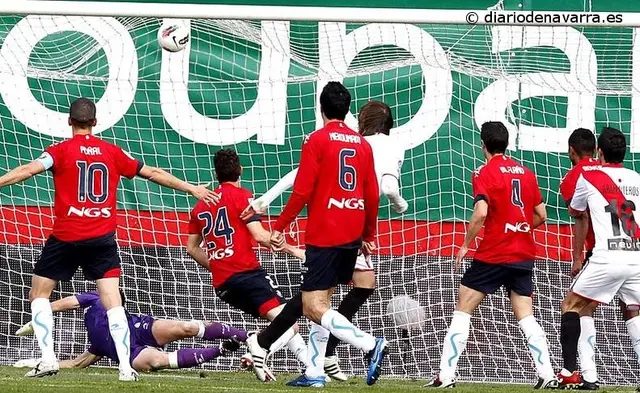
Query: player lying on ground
x=610 y=193
x=507 y=201
x=336 y=169
x=582 y=146
x=86 y=172
x=238 y=278
x=148 y=337
x=374 y=123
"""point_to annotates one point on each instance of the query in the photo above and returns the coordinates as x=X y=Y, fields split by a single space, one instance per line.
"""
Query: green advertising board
x=253 y=86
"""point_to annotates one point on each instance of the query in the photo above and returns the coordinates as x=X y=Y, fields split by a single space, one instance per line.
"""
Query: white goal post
x=249 y=79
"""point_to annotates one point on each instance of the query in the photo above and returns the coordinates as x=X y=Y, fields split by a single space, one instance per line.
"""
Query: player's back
x=512 y=192
x=228 y=241
x=612 y=193
x=388 y=155
x=336 y=210
x=86 y=173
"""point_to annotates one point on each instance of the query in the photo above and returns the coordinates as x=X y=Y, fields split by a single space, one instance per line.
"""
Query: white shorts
x=602 y=281
x=364 y=264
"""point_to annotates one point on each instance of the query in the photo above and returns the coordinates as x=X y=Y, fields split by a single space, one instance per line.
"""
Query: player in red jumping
x=507 y=201
x=238 y=278
x=337 y=182
x=86 y=172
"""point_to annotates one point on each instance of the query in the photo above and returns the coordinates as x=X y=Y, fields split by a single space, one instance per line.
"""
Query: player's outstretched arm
x=196 y=252
x=390 y=187
x=164 y=178
x=263 y=237
x=259 y=205
x=21 y=173
x=64 y=304
x=83 y=360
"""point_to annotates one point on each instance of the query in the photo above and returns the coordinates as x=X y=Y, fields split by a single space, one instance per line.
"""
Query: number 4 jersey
x=611 y=193
x=86 y=172
x=226 y=237
x=511 y=191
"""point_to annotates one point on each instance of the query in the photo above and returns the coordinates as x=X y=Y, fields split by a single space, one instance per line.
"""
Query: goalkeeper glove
x=26 y=363
x=259 y=205
x=400 y=205
x=25 y=330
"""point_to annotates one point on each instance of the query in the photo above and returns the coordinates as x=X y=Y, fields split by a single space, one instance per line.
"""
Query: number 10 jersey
x=86 y=172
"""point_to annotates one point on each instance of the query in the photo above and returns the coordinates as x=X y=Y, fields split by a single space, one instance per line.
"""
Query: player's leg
x=327 y=267
x=165 y=331
x=291 y=338
x=152 y=359
x=52 y=266
x=364 y=283
x=630 y=302
x=519 y=284
x=596 y=282
x=101 y=263
x=587 y=347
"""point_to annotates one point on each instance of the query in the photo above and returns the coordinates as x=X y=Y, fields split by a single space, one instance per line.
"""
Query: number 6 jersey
x=86 y=172
x=611 y=193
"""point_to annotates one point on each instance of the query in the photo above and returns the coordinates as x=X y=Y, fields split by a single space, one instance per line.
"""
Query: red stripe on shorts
x=113 y=273
x=268 y=306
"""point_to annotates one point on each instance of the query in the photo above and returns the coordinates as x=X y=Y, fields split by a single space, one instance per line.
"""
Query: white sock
x=201 y=328
x=345 y=331
x=538 y=346
x=587 y=349
x=42 y=322
x=455 y=342
x=119 y=329
x=282 y=341
x=633 y=327
x=318 y=338
x=299 y=348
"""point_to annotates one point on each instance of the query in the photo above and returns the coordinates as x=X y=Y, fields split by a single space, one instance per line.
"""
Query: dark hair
x=495 y=137
x=123 y=297
x=613 y=145
x=227 y=165
x=375 y=117
x=583 y=142
x=335 y=100
x=82 y=113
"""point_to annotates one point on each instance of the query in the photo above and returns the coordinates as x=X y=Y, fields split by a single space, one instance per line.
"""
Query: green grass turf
x=95 y=380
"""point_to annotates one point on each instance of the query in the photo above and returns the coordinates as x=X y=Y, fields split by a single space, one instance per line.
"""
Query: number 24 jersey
x=227 y=239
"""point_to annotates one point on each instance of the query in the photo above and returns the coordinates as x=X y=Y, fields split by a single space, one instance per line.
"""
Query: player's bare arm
x=539 y=215
x=164 y=178
x=21 y=173
x=196 y=252
x=580 y=230
x=475 y=225
x=83 y=360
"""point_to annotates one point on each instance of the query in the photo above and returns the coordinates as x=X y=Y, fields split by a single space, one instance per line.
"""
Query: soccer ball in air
x=173 y=37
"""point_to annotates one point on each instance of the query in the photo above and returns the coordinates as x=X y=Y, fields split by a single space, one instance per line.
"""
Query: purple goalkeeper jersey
x=97 y=325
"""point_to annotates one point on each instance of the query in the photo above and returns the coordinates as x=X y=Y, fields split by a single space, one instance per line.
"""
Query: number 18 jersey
x=226 y=237
x=611 y=193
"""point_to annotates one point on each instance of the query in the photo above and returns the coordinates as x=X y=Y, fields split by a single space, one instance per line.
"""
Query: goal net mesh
x=252 y=86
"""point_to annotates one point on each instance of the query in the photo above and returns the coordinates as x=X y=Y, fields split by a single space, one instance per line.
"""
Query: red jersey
x=227 y=239
x=568 y=188
x=512 y=191
x=86 y=172
x=337 y=182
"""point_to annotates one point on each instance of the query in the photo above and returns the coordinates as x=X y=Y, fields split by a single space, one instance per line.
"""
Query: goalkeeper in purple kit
x=148 y=336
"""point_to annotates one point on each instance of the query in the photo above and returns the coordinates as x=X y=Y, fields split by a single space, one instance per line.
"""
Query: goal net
x=253 y=85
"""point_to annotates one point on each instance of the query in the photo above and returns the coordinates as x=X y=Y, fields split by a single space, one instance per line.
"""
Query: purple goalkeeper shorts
x=141 y=334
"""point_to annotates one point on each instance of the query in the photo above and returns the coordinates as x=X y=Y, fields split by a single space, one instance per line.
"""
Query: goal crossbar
x=297 y=13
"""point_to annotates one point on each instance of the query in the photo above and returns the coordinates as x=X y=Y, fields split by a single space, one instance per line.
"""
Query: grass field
x=102 y=380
